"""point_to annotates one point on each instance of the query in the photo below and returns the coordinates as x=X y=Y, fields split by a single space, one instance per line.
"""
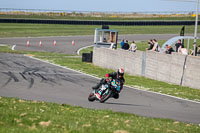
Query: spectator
x=198 y=50
x=156 y=46
x=122 y=43
x=165 y=48
x=112 y=45
x=178 y=44
x=169 y=49
x=126 y=45
x=182 y=50
x=104 y=40
x=192 y=50
x=133 y=47
x=150 y=43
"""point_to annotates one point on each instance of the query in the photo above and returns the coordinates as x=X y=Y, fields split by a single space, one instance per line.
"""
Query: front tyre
x=105 y=96
x=91 y=97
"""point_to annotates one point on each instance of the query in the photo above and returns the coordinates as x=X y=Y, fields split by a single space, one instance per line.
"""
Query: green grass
x=7 y=49
x=20 y=116
x=86 y=50
x=37 y=30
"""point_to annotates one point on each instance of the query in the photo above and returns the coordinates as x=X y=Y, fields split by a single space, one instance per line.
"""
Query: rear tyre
x=115 y=95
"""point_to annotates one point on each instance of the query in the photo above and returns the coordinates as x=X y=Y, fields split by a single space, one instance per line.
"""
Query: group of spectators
x=154 y=46
x=126 y=46
x=179 y=48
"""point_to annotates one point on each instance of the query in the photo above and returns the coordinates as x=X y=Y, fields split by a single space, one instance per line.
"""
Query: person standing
x=178 y=44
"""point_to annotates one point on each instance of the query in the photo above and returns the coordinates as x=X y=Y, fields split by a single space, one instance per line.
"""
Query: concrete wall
x=175 y=68
x=114 y=59
x=164 y=67
x=192 y=72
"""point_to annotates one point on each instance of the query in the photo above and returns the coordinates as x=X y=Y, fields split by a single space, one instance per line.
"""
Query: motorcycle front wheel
x=91 y=97
x=107 y=94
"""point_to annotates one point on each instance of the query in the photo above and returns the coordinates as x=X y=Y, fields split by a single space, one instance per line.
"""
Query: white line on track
x=78 y=52
x=62 y=66
x=124 y=85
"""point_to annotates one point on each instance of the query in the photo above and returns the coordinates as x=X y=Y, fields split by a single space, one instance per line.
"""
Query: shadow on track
x=125 y=104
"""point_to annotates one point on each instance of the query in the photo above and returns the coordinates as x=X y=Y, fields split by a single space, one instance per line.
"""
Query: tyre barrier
x=87 y=57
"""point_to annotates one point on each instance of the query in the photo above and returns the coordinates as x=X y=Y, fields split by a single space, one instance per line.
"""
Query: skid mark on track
x=28 y=73
x=19 y=64
x=11 y=77
x=4 y=63
x=44 y=76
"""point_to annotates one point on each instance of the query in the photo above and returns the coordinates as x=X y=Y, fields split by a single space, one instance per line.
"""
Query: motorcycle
x=107 y=90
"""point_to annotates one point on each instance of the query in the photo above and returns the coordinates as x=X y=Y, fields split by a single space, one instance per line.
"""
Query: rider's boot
x=96 y=86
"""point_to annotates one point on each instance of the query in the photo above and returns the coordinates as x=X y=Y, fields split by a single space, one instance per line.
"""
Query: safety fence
x=85 y=22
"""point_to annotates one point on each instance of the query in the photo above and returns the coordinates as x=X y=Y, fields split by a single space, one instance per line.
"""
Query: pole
x=196 y=25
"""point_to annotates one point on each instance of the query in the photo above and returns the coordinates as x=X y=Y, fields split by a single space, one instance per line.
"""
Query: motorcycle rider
x=118 y=76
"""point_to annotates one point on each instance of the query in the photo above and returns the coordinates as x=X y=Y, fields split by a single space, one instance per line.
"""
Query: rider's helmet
x=120 y=72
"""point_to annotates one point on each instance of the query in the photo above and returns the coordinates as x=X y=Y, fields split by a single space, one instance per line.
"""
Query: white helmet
x=120 y=72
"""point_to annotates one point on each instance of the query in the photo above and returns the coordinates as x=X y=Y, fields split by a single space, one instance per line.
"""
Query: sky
x=103 y=5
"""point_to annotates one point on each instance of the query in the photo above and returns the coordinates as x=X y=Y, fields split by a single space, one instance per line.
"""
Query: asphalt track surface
x=31 y=79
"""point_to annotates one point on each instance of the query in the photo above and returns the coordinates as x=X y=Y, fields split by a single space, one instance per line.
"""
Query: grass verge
x=35 y=30
x=22 y=116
